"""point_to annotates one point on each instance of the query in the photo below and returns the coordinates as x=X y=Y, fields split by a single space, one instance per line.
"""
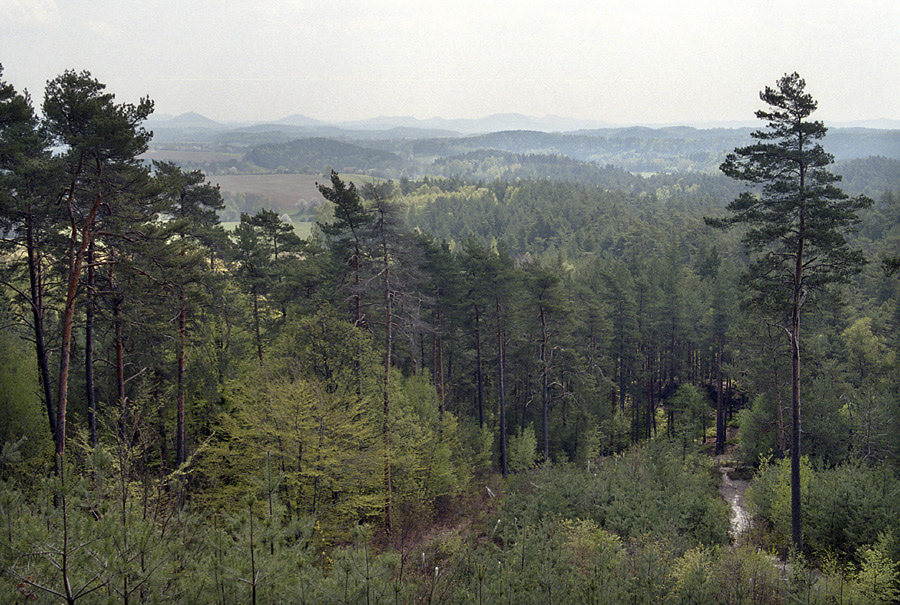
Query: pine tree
x=348 y=234
x=796 y=221
x=103 y=141
x=29 y=221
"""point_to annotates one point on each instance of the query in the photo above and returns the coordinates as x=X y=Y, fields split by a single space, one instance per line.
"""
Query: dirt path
x=733 y=492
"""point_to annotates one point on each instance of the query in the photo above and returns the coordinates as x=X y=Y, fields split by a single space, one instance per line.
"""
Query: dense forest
x=516 y=377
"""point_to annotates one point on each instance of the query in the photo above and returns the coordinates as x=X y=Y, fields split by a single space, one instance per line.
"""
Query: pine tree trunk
x=478 y=374
x=649 y=395
x=357 y=295
x=79 y=240
x=796 y=518
x=621 y=381
x=181 y=433
x=259 y=350
x=35 y=281
x=501 y=362
x=119 y=346
x=545 y=389
x=720 y=403
x=440 y=366
x=90 y=393
x=388 y=300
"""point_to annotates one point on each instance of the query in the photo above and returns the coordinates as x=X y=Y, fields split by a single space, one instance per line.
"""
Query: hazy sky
x=629 y=61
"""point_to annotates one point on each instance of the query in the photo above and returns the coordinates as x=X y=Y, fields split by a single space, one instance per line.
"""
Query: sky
x=623 y=62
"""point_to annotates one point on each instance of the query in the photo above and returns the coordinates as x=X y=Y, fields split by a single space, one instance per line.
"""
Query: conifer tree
x=348 y=233
x=29 y=219
x=796 y=221
x=103 y=141
x=179 y=263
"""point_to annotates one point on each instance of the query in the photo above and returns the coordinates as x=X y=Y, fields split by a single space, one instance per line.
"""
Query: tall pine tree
x=796 y=221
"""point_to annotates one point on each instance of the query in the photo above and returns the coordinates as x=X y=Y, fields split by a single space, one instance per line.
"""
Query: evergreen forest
x=516 y=367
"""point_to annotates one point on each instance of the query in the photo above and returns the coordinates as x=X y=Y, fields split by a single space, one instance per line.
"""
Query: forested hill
x=489 y=165
x=413 y=154
x=650 y=149
x=306 y=155
x=873 y=176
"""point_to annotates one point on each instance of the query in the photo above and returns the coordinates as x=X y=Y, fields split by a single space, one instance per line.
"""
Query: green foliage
x=878 y=578
x=846 y=507
x=758 y=436
x=770 y=495
x=477 y=445
x=522 y=450
x=22 y=414
x=427 y=461
x=689 y=408
x=305 y=415
x=645 y=491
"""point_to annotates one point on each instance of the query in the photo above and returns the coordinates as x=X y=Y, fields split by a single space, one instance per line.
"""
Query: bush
x=522 y=450
x=648 y=490
x=758 y=436
x=844 y=508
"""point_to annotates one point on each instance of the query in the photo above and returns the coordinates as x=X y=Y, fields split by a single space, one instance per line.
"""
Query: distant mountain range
x=408 y=127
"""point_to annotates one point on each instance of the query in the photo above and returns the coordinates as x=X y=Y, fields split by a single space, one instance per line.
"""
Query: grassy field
x=302 y=229
x=284 y=191
x=189 y=157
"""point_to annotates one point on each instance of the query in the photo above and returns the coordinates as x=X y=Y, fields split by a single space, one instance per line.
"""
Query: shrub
x=522 y=450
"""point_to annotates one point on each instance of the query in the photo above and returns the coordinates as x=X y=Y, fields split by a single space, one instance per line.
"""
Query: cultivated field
x=182 y=157
x=284 y=191
x=301 y=228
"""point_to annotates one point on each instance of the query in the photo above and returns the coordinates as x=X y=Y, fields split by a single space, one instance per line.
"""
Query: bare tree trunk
x=89 y=348
x=720 y=402
x=388 y=506
x=357 y=294
x=621 y=368
x=388 y=301
x=796 y=518
x=649 y=395
x=501 y=362
x=259 y=350
x=181 y=433
x=545 y=389
x=79 y=239
x=35 y=280
x=119 y=347
x=440 y=365
x=478 y=374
